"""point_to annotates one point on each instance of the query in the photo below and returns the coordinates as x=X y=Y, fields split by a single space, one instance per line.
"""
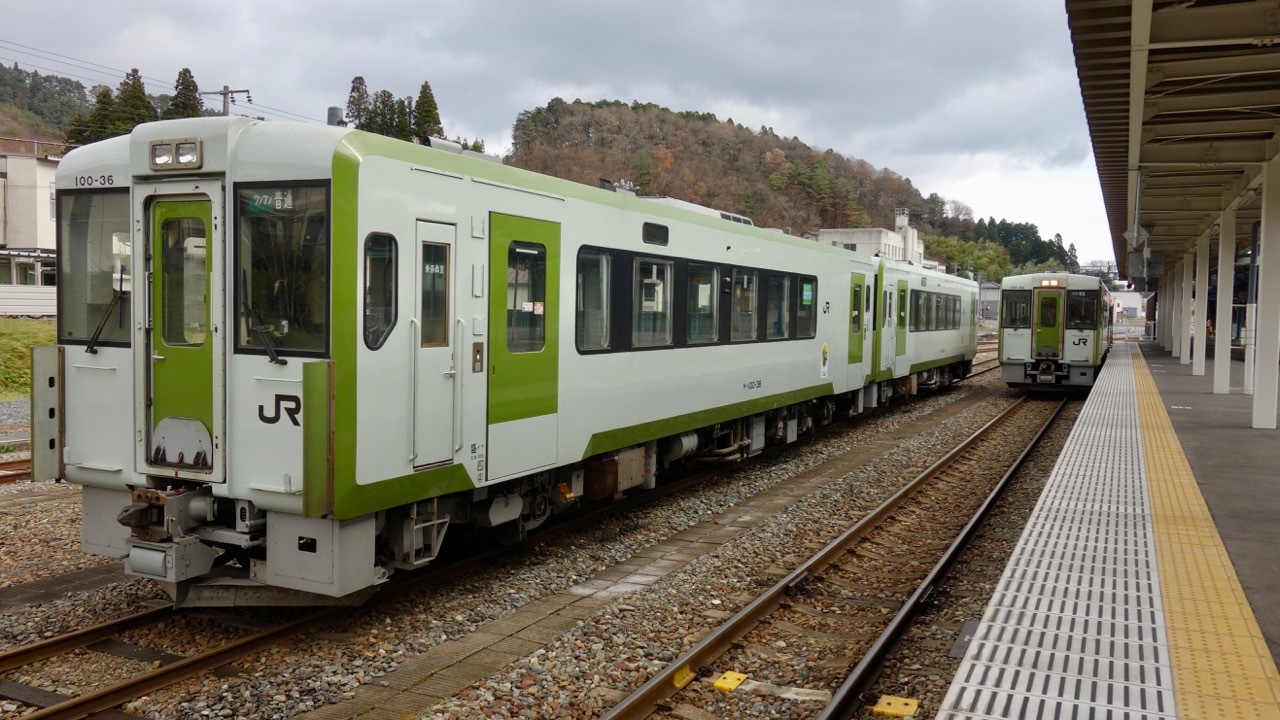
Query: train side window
x=651 y=314
x=1015 y=309
x=526 y=297
x=902 y=309
x=743 y=318
x=806 y=318
x=593 y=300
x=379 y=289
x=1082 y=309
x=777 y=306
x=654 y=234
x=703 y=318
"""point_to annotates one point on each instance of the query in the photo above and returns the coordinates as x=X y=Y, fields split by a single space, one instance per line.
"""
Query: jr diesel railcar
x=291 y=357
x=1055 y=330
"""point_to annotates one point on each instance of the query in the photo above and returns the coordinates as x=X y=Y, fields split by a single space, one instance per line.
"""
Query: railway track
x=175 y=669
x=15 y=470
x=843 y=607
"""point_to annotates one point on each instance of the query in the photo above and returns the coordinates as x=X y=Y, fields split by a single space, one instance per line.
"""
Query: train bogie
x=291 y=358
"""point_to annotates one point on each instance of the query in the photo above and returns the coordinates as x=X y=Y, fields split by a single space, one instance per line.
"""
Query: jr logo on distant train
x=1080 y=341
x=290 y=404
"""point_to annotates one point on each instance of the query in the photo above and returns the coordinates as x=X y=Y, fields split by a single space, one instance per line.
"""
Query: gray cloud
x=899 y=83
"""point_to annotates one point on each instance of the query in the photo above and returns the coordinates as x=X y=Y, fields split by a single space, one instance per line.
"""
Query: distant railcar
x=1055 y=330
x=291 y=357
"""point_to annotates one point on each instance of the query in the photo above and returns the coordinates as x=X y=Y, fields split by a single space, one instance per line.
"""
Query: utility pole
x=228 y=97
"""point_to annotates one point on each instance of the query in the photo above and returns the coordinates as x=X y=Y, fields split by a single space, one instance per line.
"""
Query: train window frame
x=855 y=310
x=603 y=291
x=806 y=325
x=1086 y=317
x=1011 y=301
x=249 y=341
x=747 y=301
x=75 y=273
x=695 y=295
x=389 y=290
x=661 y=302
x=655 y=234
x=522 y=249
x=777 y=306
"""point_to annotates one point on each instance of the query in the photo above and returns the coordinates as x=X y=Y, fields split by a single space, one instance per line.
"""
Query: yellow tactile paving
x=1221 y=665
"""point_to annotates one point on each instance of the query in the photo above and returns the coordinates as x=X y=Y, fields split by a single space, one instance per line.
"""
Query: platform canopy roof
x=1182 y=99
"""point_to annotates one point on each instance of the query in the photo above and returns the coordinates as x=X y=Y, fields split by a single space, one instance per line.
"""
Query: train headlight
x=188 y=152
x=176 y=154
x=161 y=154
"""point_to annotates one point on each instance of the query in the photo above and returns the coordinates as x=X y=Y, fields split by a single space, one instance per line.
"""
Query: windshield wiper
x=252 y=318
x=92 y=347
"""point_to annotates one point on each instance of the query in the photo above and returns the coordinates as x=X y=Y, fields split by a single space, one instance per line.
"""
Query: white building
x=901 y=243
x=28 y=235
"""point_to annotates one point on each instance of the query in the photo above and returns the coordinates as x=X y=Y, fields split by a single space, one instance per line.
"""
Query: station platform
x=1146 y=584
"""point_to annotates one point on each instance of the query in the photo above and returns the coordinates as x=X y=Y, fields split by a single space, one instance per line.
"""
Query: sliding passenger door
x=524 y=338
x=434 y=371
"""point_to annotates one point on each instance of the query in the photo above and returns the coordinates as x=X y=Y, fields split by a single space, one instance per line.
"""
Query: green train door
x=181 y=389
x=901 y=348
x=524 y=340
x=858 y=315
x=1049 y=323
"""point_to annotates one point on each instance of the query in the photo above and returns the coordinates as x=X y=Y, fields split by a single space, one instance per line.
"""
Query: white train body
x=1055 y=330
x=290 y=357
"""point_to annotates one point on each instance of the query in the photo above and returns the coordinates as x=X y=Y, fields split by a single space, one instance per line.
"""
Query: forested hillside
x=36 y=106
x=778 y=182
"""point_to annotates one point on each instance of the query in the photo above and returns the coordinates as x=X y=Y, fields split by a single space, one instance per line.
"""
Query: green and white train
x=1055 y=330
x=291 y=356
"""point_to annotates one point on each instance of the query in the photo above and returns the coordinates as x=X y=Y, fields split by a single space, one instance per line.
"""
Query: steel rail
x=642 y=702
x=122 y=692
x=34 y=652
x=847 y=699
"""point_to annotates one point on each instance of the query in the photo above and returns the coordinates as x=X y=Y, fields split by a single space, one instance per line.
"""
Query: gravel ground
x=614 y=649
x=15 y=417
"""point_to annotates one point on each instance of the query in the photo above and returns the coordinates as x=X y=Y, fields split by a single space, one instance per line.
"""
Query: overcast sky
x=977 y=101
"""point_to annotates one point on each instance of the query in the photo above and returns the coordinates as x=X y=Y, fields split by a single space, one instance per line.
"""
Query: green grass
x=17 y=337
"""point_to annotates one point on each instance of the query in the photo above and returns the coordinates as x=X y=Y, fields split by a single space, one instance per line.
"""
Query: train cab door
x=434 y=371
x=1049 y=309
x=900 y=309
x=182 y=417
x=524 y=340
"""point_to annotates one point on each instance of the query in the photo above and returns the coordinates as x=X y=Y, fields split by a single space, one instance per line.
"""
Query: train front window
x=94 y=266
x=1015 y=309
x=1082 y=309
x=282 y=267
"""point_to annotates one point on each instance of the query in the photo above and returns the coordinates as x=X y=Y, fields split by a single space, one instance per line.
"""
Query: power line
x=52 y=56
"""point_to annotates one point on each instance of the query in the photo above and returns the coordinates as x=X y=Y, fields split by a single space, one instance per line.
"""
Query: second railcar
x=1055 y=330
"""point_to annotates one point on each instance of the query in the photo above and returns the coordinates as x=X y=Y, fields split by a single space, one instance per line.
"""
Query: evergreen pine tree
x=426 y=115
x=382 y=114
x=133 y=107
x=402 y=128
x=99 y=123
x=186 y=102
x=358 y=104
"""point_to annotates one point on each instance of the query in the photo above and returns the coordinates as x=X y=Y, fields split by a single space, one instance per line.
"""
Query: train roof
x=1071 y=281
